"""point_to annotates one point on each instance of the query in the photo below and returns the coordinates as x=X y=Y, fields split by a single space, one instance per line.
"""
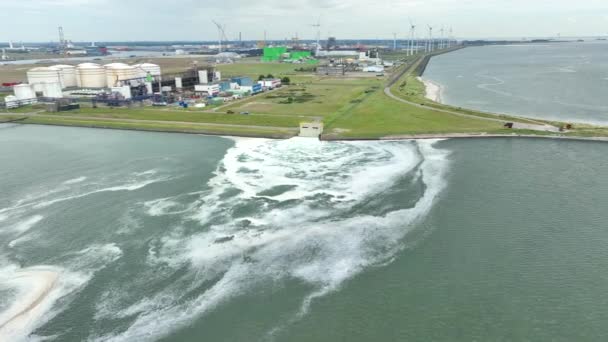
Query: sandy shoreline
x=433 y=90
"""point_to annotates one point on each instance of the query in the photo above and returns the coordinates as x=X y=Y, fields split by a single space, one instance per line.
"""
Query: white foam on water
x=40 y=292
x=167 y=206
x=568 y=70
x=146 y=173
x=37 y=291
x=61 y=192
x=126 y=187
x=75 y=180
x=322 y=244
x=26 y=224
x=490 y=86
x=20 y=240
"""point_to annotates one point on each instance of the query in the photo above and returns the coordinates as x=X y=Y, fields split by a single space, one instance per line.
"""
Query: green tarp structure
x=273 y=54
x=300 y=54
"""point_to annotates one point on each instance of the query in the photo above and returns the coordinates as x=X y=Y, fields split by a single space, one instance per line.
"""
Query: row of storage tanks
x=89 y=75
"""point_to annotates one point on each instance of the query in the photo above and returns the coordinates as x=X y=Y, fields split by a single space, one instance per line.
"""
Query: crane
x=222 y=34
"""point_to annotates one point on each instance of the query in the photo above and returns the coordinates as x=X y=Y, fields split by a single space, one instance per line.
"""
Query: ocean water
x=122 y=236
x=561 y=81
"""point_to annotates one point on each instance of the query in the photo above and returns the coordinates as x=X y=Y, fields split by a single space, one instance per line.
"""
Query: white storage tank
x=117 y=72
x=87 y=65
x=37 y=77
x=24 y=92
x=67 y=75
x=117 y=64
x=148 y=68
x=52 y=90
x=91 y=75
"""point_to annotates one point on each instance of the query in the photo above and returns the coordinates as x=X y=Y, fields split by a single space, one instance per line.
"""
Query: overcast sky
x=124 y=20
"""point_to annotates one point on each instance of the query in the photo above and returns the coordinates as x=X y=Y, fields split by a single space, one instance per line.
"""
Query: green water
x=561 y=81
x=123 y=236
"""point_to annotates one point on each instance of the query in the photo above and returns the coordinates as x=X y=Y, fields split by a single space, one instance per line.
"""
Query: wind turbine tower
x=394 y=41
x=442 y=39
x=450 y=38
x=318 y=27
x=429 y=44
x=412 y=44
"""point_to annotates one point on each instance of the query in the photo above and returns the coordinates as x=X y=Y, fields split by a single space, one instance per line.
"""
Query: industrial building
x=270 y=83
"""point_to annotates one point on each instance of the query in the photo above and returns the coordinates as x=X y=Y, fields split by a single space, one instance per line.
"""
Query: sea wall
x=421 y=67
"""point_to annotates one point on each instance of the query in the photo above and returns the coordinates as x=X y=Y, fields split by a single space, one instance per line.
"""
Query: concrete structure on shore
x=311 y=129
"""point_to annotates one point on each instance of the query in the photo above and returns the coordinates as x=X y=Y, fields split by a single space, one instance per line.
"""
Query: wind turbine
x=318 y=27
x=221 y=29
x=394 y=41
x=412 y=38
x=430 y=41
x=451 y=38
x=442 y=39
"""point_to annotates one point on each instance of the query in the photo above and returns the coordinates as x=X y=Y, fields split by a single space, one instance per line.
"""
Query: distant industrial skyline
x=156 y=20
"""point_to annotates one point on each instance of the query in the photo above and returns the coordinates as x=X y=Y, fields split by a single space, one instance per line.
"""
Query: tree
x=285 y=80
x=269 y=76
x=261 y=77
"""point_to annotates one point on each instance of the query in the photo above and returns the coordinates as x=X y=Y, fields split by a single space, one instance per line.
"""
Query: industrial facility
x=120 y=84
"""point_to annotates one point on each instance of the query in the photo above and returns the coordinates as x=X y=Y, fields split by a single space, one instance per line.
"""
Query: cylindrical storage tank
x=37 y=77
x=87 y=65
x=111 y=65
x=24 y=92
x=91 y=76
x=116 y=73
x=141 y=72
x=68 y=75
x=52 y=90
x=148 y=68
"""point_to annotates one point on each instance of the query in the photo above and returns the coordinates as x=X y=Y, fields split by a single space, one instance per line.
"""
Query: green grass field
x=164 y=127
x=379 y=116
x=176 y=115
x=318 y=98
x=255 y=69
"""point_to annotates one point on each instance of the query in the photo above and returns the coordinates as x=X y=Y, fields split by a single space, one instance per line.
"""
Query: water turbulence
x=316 y=213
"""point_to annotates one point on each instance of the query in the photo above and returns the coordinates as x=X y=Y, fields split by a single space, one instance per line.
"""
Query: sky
x=161 y=20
